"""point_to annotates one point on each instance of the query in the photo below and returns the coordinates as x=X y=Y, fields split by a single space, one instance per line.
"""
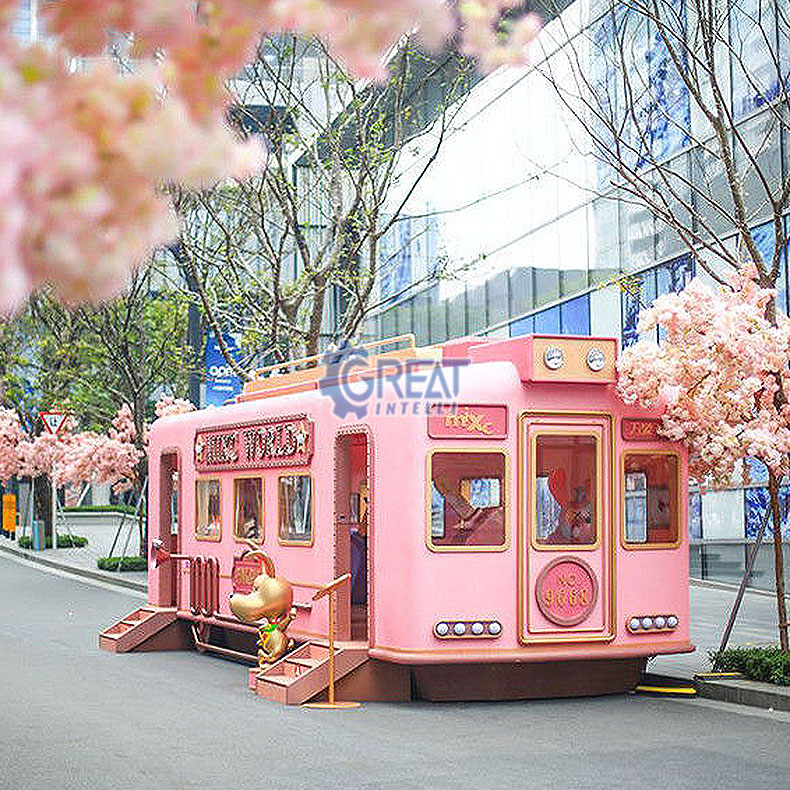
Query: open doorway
x=352 y=520
x=169 y=526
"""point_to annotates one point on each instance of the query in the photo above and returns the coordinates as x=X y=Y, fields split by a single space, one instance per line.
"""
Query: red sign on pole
x=53 y=421
x=245 y=571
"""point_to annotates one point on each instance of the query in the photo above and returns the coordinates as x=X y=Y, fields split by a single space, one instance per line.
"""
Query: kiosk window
x=295 y=507
x=651 y=498
x=208 y=510
x=248 y=519
x=566 y=489
x=467 y=499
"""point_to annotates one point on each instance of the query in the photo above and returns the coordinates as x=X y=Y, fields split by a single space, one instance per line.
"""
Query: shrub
x=127 y=563
x=64 y=542
x=768 y=664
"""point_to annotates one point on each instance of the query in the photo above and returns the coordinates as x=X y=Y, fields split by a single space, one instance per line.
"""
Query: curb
x=84 y=572
x=738 y=691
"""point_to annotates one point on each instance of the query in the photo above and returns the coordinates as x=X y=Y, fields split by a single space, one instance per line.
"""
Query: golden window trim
x=289 y=541
x=208 y=538
x=597 y=434
x=466 y=450
x=681 y=527
x=236 y=538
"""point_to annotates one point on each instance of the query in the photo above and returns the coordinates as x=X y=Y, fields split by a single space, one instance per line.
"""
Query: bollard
x=39 y=535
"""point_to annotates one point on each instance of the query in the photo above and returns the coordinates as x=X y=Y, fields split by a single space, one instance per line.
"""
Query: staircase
x=304 y=673
x=135 y=628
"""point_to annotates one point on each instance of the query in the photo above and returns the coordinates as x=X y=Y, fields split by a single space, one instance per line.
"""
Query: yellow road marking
x=668 y=690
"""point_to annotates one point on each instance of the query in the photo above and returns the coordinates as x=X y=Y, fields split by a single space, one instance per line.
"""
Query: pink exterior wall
x=410 y=586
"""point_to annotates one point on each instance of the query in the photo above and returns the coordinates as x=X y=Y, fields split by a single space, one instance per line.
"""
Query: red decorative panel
x=467 y=421
x=245 y=569
x=566 y=591
x=641 y=430
x=286 y=441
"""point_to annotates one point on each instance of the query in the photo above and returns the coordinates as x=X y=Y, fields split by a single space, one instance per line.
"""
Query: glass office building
x=516 y=227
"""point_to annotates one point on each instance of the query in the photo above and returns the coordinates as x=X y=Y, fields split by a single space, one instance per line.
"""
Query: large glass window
x=208 y=509
x=642 y=289
x=651 y=498
x=295 y=508
x=566 y=490
x=467 y=500
x=248 y=498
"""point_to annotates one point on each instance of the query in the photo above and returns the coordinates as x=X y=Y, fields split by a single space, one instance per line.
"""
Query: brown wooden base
x=382 y=681
x=175 y=636
x=373 y=681
x=471 y=682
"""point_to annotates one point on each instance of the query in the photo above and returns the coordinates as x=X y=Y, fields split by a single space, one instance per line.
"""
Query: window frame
x=259 y=540
x=505 y=493
x=646 y=546
x=532 y=483
x=288 y=541
x=207 y=479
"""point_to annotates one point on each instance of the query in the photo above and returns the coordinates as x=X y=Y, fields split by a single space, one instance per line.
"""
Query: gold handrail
x=278 y=366
x=328 y=590
x=333 y=585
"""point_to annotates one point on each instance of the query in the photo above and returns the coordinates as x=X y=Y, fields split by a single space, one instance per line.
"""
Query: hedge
x=128 y=509
x=127 y=563
x=64 y=542
x=768 y=664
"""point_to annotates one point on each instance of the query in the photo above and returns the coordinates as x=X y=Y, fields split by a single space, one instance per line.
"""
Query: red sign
x=245 y=570
x=286 y=441
x=467 y=421
x=566 y=591
x=641 y=430
x=53 y=421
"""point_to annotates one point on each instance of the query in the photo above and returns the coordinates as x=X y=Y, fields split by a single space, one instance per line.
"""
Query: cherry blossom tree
x=77 y=457
x=11 y=436
x=720 y=375
x=87 y=148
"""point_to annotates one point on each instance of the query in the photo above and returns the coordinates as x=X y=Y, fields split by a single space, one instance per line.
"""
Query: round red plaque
x=566 y=591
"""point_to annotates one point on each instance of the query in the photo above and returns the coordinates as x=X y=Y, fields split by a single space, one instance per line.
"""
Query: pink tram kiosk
x=526 y=538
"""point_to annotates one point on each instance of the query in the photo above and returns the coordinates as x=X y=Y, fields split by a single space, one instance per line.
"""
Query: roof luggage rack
x=303 y=373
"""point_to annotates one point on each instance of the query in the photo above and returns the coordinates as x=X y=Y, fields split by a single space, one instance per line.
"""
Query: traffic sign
x=53 y=421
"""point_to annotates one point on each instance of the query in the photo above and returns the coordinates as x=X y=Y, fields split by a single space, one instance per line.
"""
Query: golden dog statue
x=271 y=600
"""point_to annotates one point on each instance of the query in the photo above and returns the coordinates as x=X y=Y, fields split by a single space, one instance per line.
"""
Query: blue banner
x=221 y=382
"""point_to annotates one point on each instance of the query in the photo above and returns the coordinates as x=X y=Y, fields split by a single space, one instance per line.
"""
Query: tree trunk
x=779 y=570
x=42 y=503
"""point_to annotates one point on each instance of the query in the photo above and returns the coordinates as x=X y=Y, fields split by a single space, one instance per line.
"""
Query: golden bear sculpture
x=271 y=600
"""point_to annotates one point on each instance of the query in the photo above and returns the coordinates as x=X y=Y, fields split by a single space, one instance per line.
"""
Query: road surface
x=72 y=716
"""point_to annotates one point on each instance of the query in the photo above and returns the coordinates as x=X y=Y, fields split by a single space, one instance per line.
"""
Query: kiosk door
x=352 y=517
x=169 y=526
x=566 y=574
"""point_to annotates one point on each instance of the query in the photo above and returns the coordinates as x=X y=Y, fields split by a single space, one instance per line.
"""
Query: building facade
x=521 y=226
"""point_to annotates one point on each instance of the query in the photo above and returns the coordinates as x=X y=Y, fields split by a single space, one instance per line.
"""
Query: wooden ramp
x=304 y=673
x=135 y=628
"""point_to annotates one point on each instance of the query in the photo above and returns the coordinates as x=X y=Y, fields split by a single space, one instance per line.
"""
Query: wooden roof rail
x=278 y=367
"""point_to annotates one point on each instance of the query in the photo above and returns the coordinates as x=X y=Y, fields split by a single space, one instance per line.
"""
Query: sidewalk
x=710 y=608
x=83 y=561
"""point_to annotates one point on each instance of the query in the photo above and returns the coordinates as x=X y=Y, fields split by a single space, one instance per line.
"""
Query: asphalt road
x=72 y=716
